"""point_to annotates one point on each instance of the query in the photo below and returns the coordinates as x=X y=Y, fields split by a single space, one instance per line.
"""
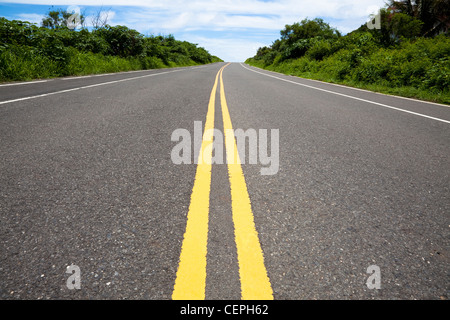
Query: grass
x=26 y=64
x=315 y=70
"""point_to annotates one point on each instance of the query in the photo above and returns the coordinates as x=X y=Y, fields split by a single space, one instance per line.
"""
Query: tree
x=262 y=52
x=53 y=19
x=435 y=14
x=100 y=18
x=403 y=25
x=122 y=41
x=308 y=29
x=59 y=18
x=396 y=24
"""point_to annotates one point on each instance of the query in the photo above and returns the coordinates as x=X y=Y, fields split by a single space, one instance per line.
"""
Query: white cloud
x=31 y=17
x=228 y=49
x=240 y=18
x=283 y=9
x=244 y=14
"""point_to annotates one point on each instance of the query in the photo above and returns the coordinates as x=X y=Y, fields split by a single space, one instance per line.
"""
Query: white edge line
x=347 y=96
x=358 y=89
x=79 y=77
x=22 y=83
x=380 y=93
x=86 y=87
x=94 y=75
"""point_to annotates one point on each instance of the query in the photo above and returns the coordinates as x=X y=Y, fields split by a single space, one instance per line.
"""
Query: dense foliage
x=402 y=57
x=28 y=51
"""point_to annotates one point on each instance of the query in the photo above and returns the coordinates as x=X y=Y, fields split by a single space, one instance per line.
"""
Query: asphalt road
x=87 y=179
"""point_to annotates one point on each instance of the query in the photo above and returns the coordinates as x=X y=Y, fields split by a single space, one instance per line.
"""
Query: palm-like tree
x=435 y=14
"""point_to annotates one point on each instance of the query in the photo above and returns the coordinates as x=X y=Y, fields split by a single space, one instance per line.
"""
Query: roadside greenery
x=401 y=58
x=28 y=51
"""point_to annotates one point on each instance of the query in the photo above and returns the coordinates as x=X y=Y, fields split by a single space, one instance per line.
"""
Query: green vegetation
x=406 y=57
x=28 y=51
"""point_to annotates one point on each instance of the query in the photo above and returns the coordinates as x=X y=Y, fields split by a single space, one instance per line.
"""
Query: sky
x=233 y=30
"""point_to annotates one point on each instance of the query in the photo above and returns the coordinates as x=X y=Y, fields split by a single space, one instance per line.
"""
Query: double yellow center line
x=190 y=282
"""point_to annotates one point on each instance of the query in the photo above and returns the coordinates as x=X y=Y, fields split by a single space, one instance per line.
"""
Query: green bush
x=414 y=66
x=438 y=75
x=25 y=63
x=319 y=49
x=29 y=52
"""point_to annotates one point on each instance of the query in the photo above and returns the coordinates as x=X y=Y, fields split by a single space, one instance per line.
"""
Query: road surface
x=356 y=205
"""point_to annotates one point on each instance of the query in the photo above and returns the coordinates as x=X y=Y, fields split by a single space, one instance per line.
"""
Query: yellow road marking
x=191 y=276
x=190 y=281
x=255 y=284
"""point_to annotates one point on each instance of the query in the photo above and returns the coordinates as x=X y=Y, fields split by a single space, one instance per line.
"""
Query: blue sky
x=230 y=29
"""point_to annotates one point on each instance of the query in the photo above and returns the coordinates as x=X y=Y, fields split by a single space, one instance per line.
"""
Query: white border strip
x=379 y=93
x=347 y=96
x=21 y=83
x=359 y=89
x=86 y=87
